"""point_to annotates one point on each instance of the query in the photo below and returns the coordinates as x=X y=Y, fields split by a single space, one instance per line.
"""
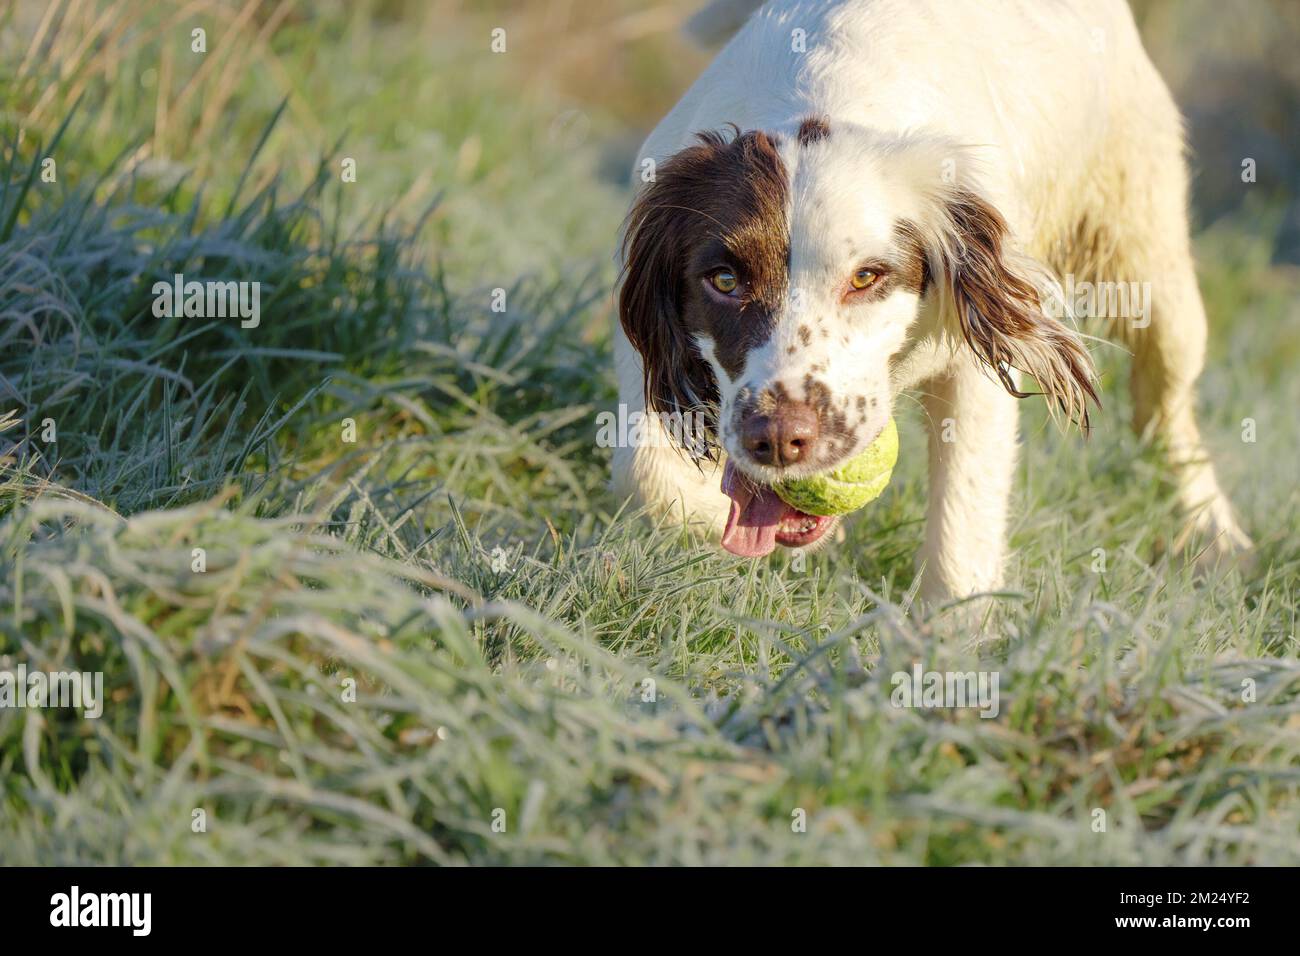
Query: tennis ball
x=850 y=486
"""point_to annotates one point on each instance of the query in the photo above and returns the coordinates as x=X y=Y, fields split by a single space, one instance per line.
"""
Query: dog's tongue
x=755 y=514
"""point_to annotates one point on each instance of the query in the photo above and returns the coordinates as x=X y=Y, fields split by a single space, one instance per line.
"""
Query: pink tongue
x=755 y=514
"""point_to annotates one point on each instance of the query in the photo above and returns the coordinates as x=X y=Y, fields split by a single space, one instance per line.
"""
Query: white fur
x=1056 y=113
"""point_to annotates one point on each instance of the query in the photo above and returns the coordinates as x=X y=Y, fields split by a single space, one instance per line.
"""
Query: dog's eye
x=724 y=281
x=863 y=278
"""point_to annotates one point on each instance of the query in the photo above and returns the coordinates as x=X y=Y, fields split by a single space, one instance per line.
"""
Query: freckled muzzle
x=799 y=423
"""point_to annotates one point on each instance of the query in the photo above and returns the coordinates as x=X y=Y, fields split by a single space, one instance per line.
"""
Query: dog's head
x=774 y=279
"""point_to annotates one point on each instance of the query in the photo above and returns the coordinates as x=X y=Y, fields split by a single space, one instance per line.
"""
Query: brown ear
x=999 y=307
x=656 y=241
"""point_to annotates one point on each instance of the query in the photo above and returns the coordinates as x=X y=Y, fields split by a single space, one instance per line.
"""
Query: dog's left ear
x=998 y=297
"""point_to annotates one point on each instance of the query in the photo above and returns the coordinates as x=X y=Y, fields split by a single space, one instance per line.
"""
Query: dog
x=864 y=198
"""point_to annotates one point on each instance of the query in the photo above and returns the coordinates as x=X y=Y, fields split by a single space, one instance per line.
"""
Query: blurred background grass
x=475 y=171
x=412 y=91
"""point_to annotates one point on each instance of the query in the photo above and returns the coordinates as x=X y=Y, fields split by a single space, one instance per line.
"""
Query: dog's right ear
x=656 y=241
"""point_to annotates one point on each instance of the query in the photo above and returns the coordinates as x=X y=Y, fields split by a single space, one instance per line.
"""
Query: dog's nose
x=782 y=438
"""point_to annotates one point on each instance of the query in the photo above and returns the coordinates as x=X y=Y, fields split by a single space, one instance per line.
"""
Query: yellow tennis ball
x=850 y=486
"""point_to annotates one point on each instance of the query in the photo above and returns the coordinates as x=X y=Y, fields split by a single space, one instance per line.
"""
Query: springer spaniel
x=863 y=197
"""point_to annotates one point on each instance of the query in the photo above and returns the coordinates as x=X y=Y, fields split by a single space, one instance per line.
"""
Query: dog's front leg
x=973 y=427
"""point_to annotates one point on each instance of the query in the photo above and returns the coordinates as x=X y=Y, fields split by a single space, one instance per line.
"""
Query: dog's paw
x=1214 y=541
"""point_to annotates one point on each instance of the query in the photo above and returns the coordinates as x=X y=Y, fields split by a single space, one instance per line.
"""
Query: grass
x=446 y=641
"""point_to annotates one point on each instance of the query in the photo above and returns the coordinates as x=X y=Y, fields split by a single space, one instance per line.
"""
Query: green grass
x=499 y=611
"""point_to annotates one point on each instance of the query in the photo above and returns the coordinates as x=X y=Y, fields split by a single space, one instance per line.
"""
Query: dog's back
x=1042 y=82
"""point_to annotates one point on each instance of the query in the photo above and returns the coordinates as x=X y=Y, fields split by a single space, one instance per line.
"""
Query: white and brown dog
x=864 y=197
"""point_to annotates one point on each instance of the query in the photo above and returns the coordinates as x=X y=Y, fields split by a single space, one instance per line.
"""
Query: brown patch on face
x=813 y=129
x=718 y=205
